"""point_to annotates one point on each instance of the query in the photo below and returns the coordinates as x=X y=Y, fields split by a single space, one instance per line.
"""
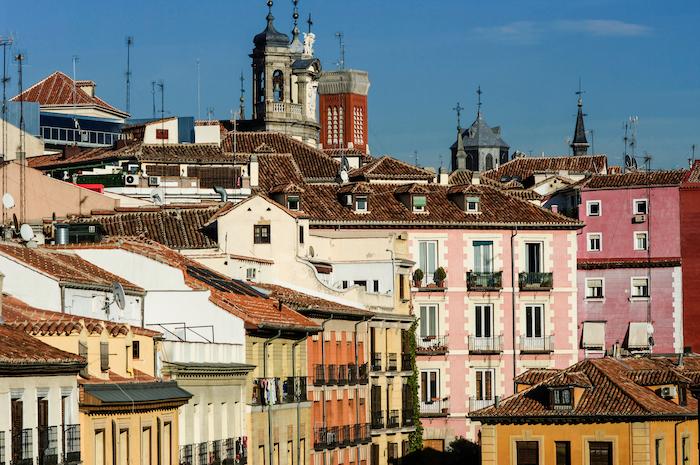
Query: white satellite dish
x=8 y=201
x=26 y=232
x=344 y=176
x=156 y=196
x=119 y=296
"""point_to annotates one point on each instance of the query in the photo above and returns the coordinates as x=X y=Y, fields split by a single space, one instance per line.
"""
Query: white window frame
x=534 y=326
x=298 y=202
x=483 y=383
x=357 y=203
x=602 y=287
x=636 y=202
x=430 y=395
x=480 y=266
x=588 y=207
x=481 y=308
x=634 y=236
x=640 y=297
x=428 y=274
x=589 y=236
x=415 y=208
x=424 y=330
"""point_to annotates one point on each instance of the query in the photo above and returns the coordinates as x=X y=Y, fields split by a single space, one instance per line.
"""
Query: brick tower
x=343 y=109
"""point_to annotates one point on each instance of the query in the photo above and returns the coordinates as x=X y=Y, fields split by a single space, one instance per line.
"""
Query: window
x=594 y=288
x=483 y=321
x=250 y=274
x=534 y=320
x=301 y=234
x=136 y=350
x=418 y=202
x=427 y=259
x=472 y=204
x=104 y=356
x=428 y=320
x=641 y=240
x=293 y=202
x=640 y=287
x=534 y=257
x=600 y=453
x=527 y=452
x=484 y=384
x=100 y=447
x=483 y=256
x=360 y=203
x=402 y=287
x=277 y=86
x=595 y=242
x=361 y=284
x=166 y=443
x=344 y=284
x=261 y=234
x=640 y=206
x=562 y=398
x=161 y=134
x=375 y=285
x=146 y=446
x=563 y=449
x=659 y=451
x=685 y=450
x=123 y=447
x=429 y=385
x=593 y=208
x=488 y=165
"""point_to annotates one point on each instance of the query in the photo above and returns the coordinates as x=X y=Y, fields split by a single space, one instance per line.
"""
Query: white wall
x=32 y=287
x=91 y=304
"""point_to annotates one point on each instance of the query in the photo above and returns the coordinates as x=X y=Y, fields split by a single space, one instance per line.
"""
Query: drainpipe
x=269 y=407
x=143 y=310
x=62 y=287
x=512 y=295
x=294 y=373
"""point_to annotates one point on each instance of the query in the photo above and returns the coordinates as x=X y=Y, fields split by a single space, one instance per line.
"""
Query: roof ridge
x=619 y=386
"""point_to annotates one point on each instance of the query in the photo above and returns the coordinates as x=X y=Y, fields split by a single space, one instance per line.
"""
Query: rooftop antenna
x=210 y=113
x=310 y=23
x=692 y=155
x=129 y=44
x=153 y=97
x=198 y=93
x=415 y=157
x=478 y=102
x=592 y=134
x=630 y=142
x=241 y=109
x=22 y=168
x=161 y=86
x=580 y=92
x=341 y=45
x=75 y=96
x=5 y=42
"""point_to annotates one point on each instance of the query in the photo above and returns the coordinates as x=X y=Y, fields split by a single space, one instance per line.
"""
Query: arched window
x=261 y=86
x=489 y=162
x=278 y=86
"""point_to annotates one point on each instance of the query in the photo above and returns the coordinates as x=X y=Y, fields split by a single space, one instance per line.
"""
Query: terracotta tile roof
x=73 y=157
x=324 y=205
x=693 y=174
x=58 y=89
x=313 y=164
x=305 y=302
x=112 y=377
x=277 y=169
x=636 y=179
x=526 y=167
x=535 y=375
x=611 y=392
x=256 y=310
x=20 y=350
x=286 y=188
x=65 y=267
x=460 y=177
x=40 y=322
x=228 y=206
x=412 y=188
x=188 y=153
x=176 y=226
x=390 y=168
x=252 y=259
x=353 y=151
x=612 y=263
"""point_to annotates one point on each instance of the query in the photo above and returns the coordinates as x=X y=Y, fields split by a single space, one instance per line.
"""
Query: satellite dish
x=157 y=196
x=26 y=232
x=8 y=201
x=344 y=176
x=119 y=296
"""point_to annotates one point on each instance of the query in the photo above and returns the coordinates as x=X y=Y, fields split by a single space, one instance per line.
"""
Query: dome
x=271 y=36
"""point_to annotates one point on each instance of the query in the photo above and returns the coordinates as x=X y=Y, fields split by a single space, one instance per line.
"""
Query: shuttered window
x=163 y=170
x=104 y=356
x=211 y=176
x=528 y=453
x=600 y=453
x=563 y=452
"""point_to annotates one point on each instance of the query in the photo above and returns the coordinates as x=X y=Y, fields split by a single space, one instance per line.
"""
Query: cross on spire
x=478 y=104
x=458 y=109
x=310 y=23
x=580 y=93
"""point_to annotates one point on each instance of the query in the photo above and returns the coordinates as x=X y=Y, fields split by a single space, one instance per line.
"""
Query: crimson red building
x=690 y=255
x=343 y=109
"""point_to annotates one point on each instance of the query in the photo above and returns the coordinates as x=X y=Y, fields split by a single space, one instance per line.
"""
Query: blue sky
x=634 y=58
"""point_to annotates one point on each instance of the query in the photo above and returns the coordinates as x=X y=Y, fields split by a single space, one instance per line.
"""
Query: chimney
x=555 y=208
x=253 y=171
x=476 y=178
x=86 y=86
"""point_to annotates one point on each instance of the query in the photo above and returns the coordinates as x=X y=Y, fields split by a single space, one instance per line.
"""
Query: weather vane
x=458 y=109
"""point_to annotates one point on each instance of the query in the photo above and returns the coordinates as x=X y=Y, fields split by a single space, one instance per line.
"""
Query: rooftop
x=389 y=168
x=634 y=179
x=304 y=302
x=22 y=353
x=524 y=168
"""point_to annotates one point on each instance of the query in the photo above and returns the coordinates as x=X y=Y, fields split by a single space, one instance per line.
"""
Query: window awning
x=593 y=335
x=638 y=336
x=419 y=201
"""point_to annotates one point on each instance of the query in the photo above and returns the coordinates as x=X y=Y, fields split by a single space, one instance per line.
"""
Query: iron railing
x=392 y=363
x=376 y=361
x=378 y=419
x=319 y=375
x=22 y=447
x=393 y=419
x=272 y=391
x=363 y=374
x=535 y=281
x=344 y=435
x=202 y=453
x=406 y=362
x=48 y=445
x=484 y=281
x=431 y=345
x=478 y=404
x=361 y=433
x=435 y=408
x=71 y=444
x=342 y=375
x=485 y=344
x=352 y=374
x=187 y=455
x=541 y=344
x=230 y=451
x=407 y=417
x=331 y=374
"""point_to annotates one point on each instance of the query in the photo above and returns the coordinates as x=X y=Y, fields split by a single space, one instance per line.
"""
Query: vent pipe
x=222 y=193
x=61 y=233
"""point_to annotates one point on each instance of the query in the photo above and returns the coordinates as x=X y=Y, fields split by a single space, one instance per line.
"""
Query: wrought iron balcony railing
x=435 y=408
x=477 y=404
x=485 y=344
x=393 y=419
x=378 y=419
x=431 y=345
x=484 y=281
x=376 y=361
x=535 y=281
x=543 y=344
x=272 y=391
x=392 y=361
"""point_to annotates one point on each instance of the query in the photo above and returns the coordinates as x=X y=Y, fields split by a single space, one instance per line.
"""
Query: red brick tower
x=343 y=109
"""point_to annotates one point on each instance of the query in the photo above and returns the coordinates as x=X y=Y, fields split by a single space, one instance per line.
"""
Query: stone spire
x=579 y=144
x=461 y=153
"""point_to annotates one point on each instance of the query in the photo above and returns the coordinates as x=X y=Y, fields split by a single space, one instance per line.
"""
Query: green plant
x=418 y=275
x=440 y=275
x=415 y=439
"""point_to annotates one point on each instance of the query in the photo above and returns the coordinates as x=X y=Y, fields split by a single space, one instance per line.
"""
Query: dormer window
x=293 y=202
x=418 y=203
x=361 y=203
x=472 y=205
x=562 y=398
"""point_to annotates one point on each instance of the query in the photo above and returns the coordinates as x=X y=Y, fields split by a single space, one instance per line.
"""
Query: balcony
x=361 y=434
x=273 y=391
x=325 y=438
x=71 y=444
x=435 y=408
x=406 y=362
x=342 y=375
x=344 y=435
x=485 y=345
x=393 y=419
x=352 y=374
x=236 y=450
x=392 y=362
x=331 y=374
x=376 y=362
x=215 y=452
x=319 y=375
x=477 y=404
x=535 y=281
x=22 y=449
x=363 y=374
x=231 y=451
x=431 y=345
x=407 y=417
x=378 y=419
x=536 y=345
x=484 y=281
x=48 y=445
x=284 y=110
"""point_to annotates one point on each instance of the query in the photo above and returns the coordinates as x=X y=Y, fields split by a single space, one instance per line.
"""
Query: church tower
x=579 y=144
x=285 y=82
x=343 y=109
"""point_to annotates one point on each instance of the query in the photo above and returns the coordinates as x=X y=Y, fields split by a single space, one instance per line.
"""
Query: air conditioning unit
x=154 y=181
x=668 y=392
x=131 y=180
x=639 y=218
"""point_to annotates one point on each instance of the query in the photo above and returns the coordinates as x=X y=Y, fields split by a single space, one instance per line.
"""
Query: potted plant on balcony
x=418 y=277
x=439 y=277
x=444 y=405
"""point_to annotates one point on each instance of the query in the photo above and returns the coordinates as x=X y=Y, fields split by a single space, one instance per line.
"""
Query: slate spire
x=579 y=144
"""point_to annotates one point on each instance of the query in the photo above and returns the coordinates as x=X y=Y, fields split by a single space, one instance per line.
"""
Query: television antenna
x=630 y=142
x=129 y=44
x=341 y=45
x=5 y=42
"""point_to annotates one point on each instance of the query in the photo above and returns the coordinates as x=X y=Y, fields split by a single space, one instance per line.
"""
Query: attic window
x=360 y=203
x=293 y=202
x=472 y=204
x=418 y=203
x=562 y=398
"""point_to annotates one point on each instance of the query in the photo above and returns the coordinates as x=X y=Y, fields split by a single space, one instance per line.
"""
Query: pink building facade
x=479 y=331
x=629 y=267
